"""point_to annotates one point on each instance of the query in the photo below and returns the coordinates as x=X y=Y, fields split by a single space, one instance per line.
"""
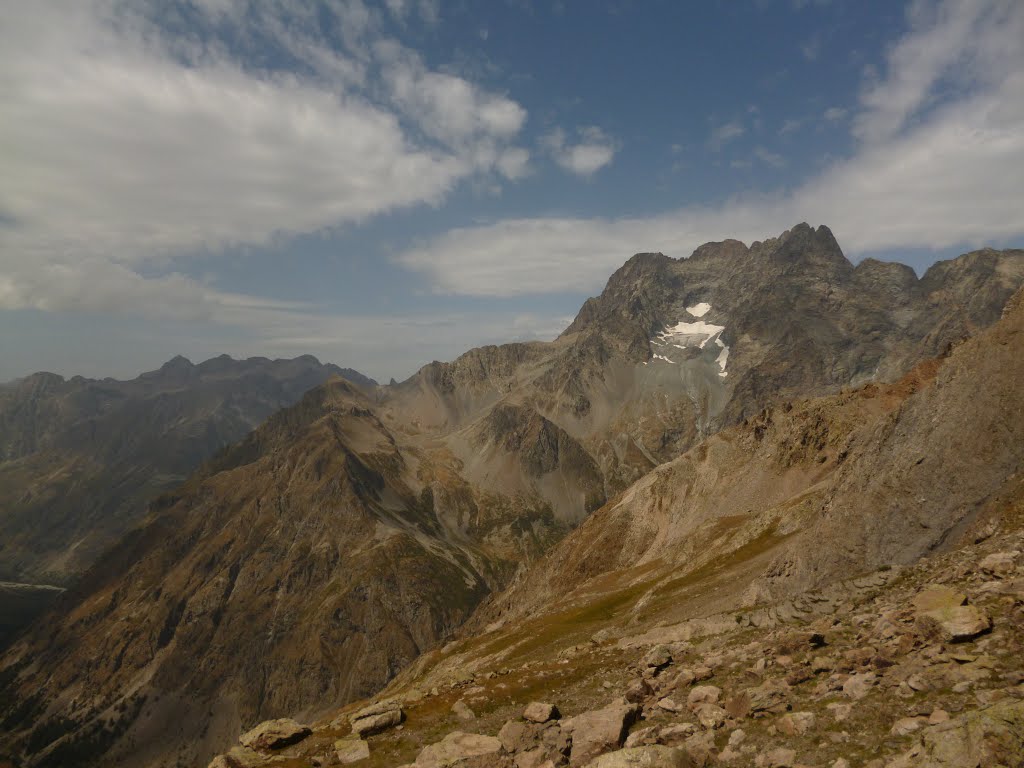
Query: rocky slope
x=826 y=624
x=307 y=566
x=80 y=458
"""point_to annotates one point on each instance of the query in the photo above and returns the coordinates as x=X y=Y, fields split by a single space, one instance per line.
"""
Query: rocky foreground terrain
x=708 y=453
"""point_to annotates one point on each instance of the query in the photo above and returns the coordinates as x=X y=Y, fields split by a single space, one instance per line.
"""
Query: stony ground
x=919 y=666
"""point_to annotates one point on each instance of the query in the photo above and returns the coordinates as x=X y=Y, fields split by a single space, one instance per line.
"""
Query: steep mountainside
x=837 y=582
x=675 y=349
x=305 y=567
x=80 y=458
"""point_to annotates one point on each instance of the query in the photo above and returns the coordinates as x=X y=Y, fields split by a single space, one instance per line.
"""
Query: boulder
x=906 y=725
x=351 y=750
x=644 y=757
x=770 y=695
x=657 y=658
x=796 y=723
x=999 y=564
x=376 y=718
x=988 y=737
x=860 y=685
x=953 y=624
x=710 y=716
x=600 y=730
x=462 y=711
x=275 y=734
x=703 y=694
x=540 y=712
x=456 y=748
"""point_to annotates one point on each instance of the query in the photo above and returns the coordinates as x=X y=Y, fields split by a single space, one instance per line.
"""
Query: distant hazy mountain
x=81 y=458
x=304 y=567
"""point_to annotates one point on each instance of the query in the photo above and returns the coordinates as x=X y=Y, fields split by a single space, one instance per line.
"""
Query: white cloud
x=950 y=44
x=723 y=134
x=125 y=144
x=594 y=150
x=834 y=114
x=949 y=178
x=447 y=108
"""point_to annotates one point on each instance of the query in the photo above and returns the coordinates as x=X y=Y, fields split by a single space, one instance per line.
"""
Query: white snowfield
x=698 y=333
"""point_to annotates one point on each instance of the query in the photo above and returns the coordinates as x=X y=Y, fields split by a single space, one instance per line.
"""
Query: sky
x=382 y=184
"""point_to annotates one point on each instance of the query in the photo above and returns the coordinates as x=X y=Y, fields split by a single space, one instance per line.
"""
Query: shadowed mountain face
x=80 y=458
x=306 y=566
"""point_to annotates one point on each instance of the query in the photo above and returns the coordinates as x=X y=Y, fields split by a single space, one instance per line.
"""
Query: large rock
x=703 y=694
x=600 y=730
x=275 y=734
x=376 y=718
x=954 y=624
x=456 y=748
x=644 y=757
x=981 y=739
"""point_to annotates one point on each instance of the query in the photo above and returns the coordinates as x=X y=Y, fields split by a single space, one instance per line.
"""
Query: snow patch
x=698 y=333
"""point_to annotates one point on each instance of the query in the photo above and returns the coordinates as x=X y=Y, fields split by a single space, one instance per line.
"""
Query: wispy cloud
x=593 y=150
x=127 y=144
x=834 y=114
x=723 y=134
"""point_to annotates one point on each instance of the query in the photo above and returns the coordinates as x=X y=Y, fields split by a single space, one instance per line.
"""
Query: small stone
x=643 y=757
x=540 y=712
x=905 y=726
x=917 y=683
x=275 y=734
x=351 y=750
x=677 y=731
x=642 y=737
x=841 y=762
x=462 y=711
x=938 y=716
x=840 y=712
x=670 y=705
x=737 y=737
x=780 y=757
x=638 y=690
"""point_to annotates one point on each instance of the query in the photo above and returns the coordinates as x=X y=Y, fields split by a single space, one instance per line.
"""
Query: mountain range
x=711 y=436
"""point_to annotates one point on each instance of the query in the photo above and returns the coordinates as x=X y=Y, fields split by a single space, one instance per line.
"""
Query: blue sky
x=386 y=183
